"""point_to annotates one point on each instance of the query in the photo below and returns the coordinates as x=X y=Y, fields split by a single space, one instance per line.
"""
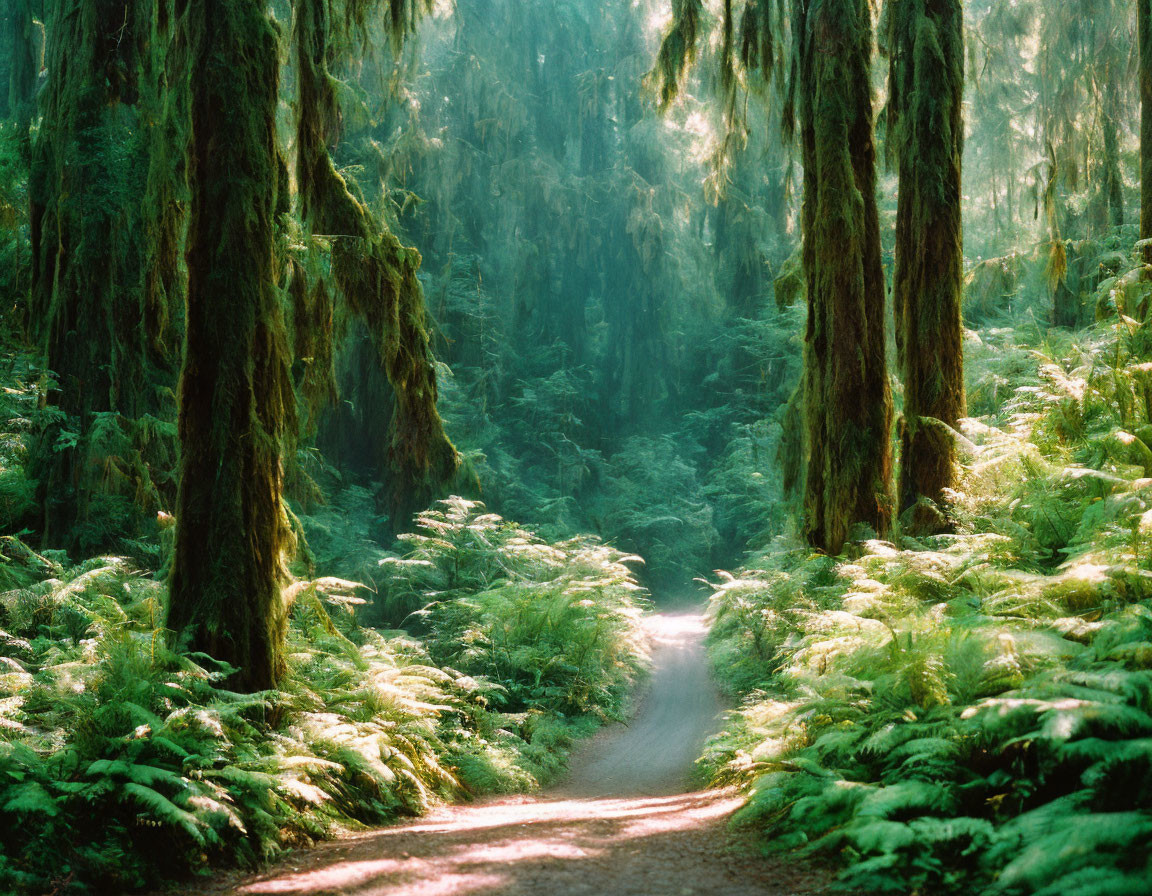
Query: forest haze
x=370 y=372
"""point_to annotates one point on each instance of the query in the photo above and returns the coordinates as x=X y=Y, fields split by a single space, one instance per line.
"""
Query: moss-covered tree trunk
x=104 y=469
x=1145 y=29
x=1113 y=186
x=926 y=93
x=24 y=62
x=848 y=402
x=236 y=399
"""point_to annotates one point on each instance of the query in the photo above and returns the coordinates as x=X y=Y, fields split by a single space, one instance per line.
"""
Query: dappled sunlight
x=676 y=630
x=497 y=847
x=622 y=824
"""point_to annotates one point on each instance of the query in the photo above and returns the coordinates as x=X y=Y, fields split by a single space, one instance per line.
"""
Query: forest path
x=624 y=823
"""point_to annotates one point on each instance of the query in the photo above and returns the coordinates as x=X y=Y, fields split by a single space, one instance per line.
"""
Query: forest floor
x=625 y=822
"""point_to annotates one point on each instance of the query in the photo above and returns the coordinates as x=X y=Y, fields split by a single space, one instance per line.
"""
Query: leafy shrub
x=970 y=711
x=18 y=415
x=655 y=505
x=123 y=763
x=558 y=625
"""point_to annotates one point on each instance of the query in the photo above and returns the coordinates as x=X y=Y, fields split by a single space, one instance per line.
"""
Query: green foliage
x=655 y=505
x=15 y=248
x=123 y=763
x=19 y=419
x=970 y=711
x=558 y=625
x=608 y=334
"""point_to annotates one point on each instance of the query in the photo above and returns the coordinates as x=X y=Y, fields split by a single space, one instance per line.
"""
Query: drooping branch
x=374 y=272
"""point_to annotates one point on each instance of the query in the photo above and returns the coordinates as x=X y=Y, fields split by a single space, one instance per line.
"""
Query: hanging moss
x=1112 y=180
x=679 y=48
x=104 y=467
x=236 y=398
x=374 y=272
x=26 y=55
x=926 y=132
x=848 y=403
x=165 y=203
x=311 y=328
x=847 y=398
x=789 y=285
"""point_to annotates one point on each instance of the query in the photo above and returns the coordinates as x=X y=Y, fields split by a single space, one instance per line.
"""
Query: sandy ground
x=624 y=823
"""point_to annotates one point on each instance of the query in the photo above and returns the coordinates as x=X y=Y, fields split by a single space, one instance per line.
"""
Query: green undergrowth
x=557 y=624
x=123 y=764
x=19 y=417
x=972 y=712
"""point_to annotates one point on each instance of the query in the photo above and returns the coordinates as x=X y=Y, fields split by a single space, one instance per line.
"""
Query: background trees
x=400 y=250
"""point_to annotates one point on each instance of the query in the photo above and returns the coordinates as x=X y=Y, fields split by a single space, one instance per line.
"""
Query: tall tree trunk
x=1112 y=186
x=848 y=402
x=1145 y=26
x=89 y=170
x=236 y=400
x=24 y=63
x=926 y=93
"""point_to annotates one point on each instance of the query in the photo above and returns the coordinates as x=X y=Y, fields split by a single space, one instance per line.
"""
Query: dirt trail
x=624 y=823
x=655 y=754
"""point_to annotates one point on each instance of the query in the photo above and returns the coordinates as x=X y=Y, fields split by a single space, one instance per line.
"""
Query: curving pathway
x=626 y=822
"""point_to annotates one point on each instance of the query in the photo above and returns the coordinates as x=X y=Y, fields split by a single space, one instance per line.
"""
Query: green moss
x=926 y=132
x=97 y=251
x=848 y=403
x=236 y=398
x=374 y=272
x=1145 y=43
x=27 y=41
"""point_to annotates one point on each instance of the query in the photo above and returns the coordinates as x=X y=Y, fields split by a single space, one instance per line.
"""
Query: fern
x=970 y=711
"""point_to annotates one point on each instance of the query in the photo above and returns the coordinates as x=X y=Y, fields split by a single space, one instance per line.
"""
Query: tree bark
x=24 y=64
x=107 y=477
x=236 y=400
x=848 y=401
x=1145 y=29
x=926 y=98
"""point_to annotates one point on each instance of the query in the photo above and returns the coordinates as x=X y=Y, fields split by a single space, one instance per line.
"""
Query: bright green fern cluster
x=972 y=711
x=557 y=624
x=123 y=763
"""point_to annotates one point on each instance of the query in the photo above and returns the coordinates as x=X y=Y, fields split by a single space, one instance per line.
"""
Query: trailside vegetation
x=368 y=370
x=126 y=763
x=970 y=711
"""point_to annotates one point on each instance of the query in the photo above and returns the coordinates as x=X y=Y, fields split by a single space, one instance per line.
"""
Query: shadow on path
x=622 y=824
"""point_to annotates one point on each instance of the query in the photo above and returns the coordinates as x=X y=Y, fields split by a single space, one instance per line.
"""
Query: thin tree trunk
x=236 y=400
x=1145 y=19
x=848 y=401
x=926 y=97
x=1111 y=196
